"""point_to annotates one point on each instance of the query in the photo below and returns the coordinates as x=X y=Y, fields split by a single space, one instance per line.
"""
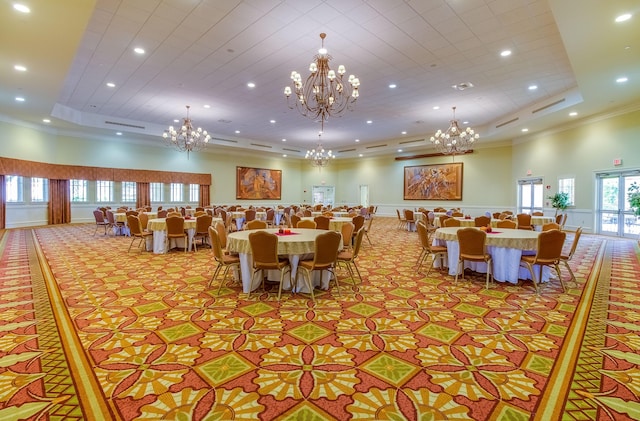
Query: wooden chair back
x=306 y=223
x=482 y=221
x=322 y=222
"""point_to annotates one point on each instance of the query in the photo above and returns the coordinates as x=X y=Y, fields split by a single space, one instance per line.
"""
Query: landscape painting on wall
x=258 y=183
x=433 y=182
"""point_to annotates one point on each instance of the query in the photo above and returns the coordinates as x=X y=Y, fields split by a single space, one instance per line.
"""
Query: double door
x=613 y=214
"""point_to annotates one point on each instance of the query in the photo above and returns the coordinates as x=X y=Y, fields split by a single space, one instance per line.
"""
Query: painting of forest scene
x=433 y=182
x=258 y=183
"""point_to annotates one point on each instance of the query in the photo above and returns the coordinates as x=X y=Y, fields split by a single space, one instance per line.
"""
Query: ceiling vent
x=133 y=126
x=513 y=120
x=225 y=140
x=261 y=146
x=347 y=150
x=376 y=146
x=537 y=110
x=408 y=142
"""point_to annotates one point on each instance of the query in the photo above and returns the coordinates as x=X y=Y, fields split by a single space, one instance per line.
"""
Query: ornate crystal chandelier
x=324 y=93
x=187 y=139
x=454 y=141
x=318 y=157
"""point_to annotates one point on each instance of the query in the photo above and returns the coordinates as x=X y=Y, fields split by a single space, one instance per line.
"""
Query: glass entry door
x=325 y=195
x=530 y=195
x=614 y=215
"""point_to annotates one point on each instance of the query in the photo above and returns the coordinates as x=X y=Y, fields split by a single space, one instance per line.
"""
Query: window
x=157 y=192
x=194 y=192
x=78 y=190
x=176 y=192
x=567 y=185
x=128 y=191
x=39 y=189
x=104 y=191
x=13 y=184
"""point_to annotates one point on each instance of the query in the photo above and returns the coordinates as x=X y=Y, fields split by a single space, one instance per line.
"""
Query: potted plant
x=560 y=201
x=633 y=195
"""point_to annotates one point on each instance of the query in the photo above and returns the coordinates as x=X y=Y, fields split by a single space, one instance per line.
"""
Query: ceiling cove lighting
x=454 y=141
x=186 y=138
x=318 y=157
x=324 y=93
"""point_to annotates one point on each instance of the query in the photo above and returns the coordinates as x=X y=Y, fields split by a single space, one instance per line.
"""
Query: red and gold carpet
x=89 y=331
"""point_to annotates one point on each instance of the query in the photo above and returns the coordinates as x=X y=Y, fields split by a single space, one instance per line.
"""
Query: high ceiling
x=206 y=51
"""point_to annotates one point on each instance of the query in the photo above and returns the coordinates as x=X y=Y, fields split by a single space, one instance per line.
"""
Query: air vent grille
x=537 y=110
x=261 y=146
x=225 y=140
x=133 y=126
x=408 y=142
x=347 y=150
x=507 y=122
x=376 y=146
x=290 y=150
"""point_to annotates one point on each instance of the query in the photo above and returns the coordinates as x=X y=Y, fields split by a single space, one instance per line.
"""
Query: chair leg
x=332 y=272
x=215 y=275
x=489 y=273
x=573 y=277
x=533 y=277
x=557 y=267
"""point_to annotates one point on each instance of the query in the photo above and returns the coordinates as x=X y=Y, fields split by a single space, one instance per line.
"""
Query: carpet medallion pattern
x=140 y=336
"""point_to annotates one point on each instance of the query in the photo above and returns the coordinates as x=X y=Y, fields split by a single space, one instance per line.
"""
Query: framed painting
x=258 y=183
x=433 y=182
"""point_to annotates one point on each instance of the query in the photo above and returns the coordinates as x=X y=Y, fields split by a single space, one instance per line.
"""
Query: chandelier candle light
x=454 y=141
x=187 y=139
x=324 y=93
x=318 y=156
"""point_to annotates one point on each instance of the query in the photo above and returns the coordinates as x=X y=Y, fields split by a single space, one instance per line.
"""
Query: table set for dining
x=506 y=247
x=335 y=223
x=158 y=242
x=298 y=244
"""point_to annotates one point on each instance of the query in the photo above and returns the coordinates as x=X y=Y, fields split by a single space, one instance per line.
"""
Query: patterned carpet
x=89 y=331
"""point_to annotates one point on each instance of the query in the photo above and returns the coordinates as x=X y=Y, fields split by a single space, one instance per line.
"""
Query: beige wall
x=490 y=173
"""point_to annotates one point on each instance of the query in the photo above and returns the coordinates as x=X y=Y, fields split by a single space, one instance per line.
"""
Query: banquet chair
x=135 y=228
x=347 y=257
x=174 y=214
x=100 y=221
x=428 y=249
x=472 y=243
x=249 y=215
x=565 y=258
x=162 y=213
x=347 y=233
x=199 y=213
x=358 y=222
x=367 y=229
x=223 y=260
x=452 y=222
x=222 y=236
x=111 y=219
x=482 y=221
x=443 y=218
x=551 y=226
x=496 y=215
x=271 y=218
x=548 y=253
x=457 y=214
x=324 y=258
x=144 y=220
x=131 y=212
x=401 y=221
x=322 y=222
x=537 y=213
x=203 y=222
x=256 y=224
x=524 y=221
x=286 y=214
x=306 y=223
x=175 y=229
x=563 y=221
x=506 y=223
x=409 y=218
x=307 y=212
x=293 y=221
x=199 y=208
x=264 y=249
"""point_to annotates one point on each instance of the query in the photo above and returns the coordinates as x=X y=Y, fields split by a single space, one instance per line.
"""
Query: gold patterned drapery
x=59 y=210
x=205 y=196
x=143 y=198
x=3 y=203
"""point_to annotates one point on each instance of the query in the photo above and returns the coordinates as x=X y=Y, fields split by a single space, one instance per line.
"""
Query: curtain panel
x=143 y=196
x=59 y=202
x=3 y=203
x=205 y=196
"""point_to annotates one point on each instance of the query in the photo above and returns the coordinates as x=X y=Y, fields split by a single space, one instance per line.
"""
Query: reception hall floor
x=89 y=331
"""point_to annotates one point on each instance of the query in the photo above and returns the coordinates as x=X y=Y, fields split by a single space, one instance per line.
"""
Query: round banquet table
x=299 y=245
x=506 y=247
x=335 y=223
x=159 y=228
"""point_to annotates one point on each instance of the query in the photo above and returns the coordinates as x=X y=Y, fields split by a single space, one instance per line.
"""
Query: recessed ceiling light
x=207 y=106
x=272 y=121
x=623 y=17
x=436 y=107
x=237 y=131
x=369 y=121
x=21 y=8
x=393 y=85
x=462 y=86
x=357 y=140
x=119 y=133
x=284 y=140
x=46 y=120
x=525 y=130
x=399 y=150
x=19 y=99
x=111 y=84
x=573 y=114
x=533 y=87
x=360 y=155
x=20 y=68
x=284 y=155
x=176 y=121
x=505 y=53
x=622 y=79
x=138 y=50
x=404 y=132
x=251 y=85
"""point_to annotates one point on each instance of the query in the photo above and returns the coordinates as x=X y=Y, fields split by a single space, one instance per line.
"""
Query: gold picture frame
x=258 y=183
x=433 y=182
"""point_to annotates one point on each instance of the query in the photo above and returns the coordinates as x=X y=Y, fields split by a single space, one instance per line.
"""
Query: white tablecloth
x=159 y=241
x=300 y=245
x=335 y=223
x=506 y=247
